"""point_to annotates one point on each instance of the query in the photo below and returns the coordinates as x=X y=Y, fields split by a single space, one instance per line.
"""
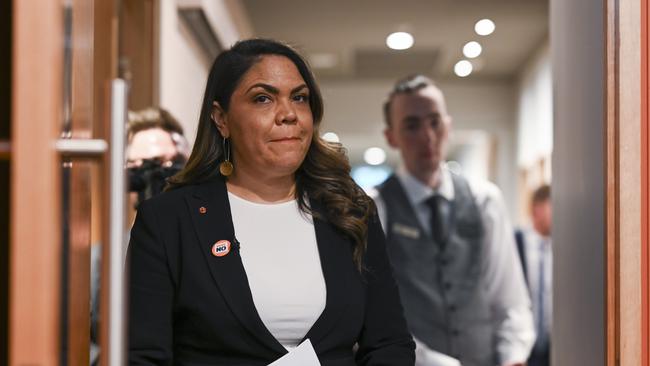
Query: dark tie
x=439 y=219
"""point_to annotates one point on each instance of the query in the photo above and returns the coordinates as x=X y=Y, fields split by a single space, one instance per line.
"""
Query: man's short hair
x=152 y=117
x=541 y=194
x=408 y=85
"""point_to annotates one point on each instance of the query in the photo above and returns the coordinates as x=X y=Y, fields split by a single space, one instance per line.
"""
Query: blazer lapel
x=335 y=253
x=210 y=211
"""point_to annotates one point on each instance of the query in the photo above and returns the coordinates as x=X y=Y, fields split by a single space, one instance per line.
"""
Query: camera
x=150 y=178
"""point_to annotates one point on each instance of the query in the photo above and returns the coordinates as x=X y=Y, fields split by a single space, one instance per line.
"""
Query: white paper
x=303 y=355
x=425 y=356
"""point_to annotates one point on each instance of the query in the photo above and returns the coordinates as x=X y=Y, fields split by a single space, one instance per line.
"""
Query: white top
x=539 y=253
x=515 y=330
x=280 y=255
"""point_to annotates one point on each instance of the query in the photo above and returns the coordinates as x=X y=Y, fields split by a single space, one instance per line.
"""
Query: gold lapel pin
x=203 y=210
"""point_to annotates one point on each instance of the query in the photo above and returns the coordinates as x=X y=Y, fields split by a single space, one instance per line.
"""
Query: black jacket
x=188 y=307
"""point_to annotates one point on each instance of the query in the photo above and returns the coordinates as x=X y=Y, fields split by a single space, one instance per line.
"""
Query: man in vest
x=536 y=254
x=450 y=243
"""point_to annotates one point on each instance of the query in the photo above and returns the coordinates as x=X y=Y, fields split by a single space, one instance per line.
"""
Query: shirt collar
x=418 y=192
x=538 y=240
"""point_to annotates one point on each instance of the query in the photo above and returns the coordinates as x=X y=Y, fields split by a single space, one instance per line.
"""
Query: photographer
x=156 y=150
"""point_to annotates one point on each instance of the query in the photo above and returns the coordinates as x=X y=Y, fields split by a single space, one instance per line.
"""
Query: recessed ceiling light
x=463 y=68
x=484 y=27
x=400 y=41
x=331 y=137
x=472 y=49
x=374 y=156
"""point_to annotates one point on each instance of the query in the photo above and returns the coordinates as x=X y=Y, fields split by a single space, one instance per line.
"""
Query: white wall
x=577 y=49
x=535 y=110
x=353 y=109
x=183 y=69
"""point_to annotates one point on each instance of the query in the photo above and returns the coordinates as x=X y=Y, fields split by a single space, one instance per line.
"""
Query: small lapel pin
x=203 y=210
x=221 y=248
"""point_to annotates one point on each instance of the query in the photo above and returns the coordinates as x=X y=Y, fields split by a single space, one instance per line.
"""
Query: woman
x=263 y=240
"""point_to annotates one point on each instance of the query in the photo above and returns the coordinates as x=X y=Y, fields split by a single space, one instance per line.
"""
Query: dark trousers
x=540 y=358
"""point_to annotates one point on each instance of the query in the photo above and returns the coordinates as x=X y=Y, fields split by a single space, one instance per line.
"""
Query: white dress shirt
x=514 y=327
x=539 y=253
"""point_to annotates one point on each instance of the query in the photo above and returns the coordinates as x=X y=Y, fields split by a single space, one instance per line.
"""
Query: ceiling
x=349 y=35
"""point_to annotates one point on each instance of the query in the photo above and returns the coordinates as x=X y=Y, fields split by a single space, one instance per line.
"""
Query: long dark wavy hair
x=323 y=176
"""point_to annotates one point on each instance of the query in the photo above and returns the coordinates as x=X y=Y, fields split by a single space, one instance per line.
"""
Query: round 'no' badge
x=221 y=248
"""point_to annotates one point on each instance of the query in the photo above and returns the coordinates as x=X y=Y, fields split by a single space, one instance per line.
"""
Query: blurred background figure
x=450 y=241
x=156 y=150
x=536 y=254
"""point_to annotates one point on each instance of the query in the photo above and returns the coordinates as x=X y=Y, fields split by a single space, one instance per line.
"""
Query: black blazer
x=188 y=307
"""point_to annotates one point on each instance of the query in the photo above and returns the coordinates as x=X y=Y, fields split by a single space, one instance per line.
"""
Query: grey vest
x=445 y=303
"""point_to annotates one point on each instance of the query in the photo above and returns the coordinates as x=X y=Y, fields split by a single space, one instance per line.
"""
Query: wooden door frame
x=36 y=218
x=626 y=181
x=645 y=182
x=34 y=300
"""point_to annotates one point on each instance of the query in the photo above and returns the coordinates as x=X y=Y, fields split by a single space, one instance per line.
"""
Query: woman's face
x=269 y=121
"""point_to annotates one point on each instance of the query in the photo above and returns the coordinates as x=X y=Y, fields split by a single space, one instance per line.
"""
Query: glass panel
x=77 y=182
x=77 y=236
x=65 y=184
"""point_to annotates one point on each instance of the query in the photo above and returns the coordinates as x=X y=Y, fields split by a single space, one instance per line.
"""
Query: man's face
x=542 y=217
x=419 y=129
x=150 y=144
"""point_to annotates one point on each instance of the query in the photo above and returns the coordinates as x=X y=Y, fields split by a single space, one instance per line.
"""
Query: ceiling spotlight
x=331 y=137
x=472 y=49
x=374 y=156
x=400 y=41
x=463 y=68
x=484 y=27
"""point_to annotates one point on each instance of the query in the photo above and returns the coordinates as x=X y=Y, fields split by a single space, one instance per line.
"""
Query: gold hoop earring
x=226 y=167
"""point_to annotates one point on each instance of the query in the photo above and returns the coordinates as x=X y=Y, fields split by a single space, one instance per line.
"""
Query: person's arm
x=510 y=302
x=384 y=339
x=151 y=293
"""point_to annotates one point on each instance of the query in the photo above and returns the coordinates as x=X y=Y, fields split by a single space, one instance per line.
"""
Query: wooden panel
x=104 y=63
x=611 y=185
x=629 y=178
x=645 y=182
x=83 y=47
x=623 y=181
x=35 y=183
x=5 y=68
x=629 y=182
x=79 y=220
x=105 y=69
x=4 y=259
x=5 y=148
x=137 y=58
x=79 y=264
